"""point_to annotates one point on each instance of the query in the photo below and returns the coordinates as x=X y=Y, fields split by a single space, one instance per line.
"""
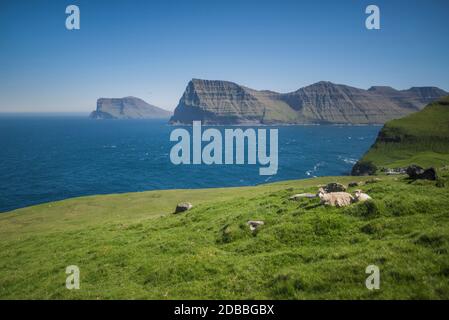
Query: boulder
x=429 y=174
x=417 y=172
x=184 y=206
x=334 y=187
x=254 y=224
x=414 y=171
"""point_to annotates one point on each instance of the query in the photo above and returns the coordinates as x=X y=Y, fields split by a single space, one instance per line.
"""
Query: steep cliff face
x=325 y=102
x=127 y=108
x=222 y=102
x=420 y=138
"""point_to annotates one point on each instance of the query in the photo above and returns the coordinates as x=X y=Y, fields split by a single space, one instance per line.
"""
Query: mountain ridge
x=225 y=102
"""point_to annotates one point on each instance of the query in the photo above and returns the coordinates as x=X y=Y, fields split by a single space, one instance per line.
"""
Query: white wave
x=347 y=160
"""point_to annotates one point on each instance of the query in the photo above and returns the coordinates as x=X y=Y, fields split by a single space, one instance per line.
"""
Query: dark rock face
x=223 y=102
x=416 y=172
x=127 y=108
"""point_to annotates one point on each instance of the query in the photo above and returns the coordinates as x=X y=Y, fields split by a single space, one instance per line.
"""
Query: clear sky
x=151 y=49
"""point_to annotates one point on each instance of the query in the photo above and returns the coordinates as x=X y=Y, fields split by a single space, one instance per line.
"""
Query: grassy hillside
x=421 y=138
x=132 y=246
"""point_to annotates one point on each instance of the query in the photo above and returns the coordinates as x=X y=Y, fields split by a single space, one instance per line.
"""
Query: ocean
x=48 y=158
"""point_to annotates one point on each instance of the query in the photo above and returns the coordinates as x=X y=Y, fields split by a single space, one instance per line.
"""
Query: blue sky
x=151 y=49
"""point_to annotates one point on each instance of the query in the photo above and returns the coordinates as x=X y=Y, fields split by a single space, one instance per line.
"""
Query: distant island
x=127 y=108
x=224 y=102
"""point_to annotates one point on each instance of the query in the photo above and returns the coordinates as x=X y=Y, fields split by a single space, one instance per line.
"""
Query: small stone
x=254 y=224
x=373 y=180
x=184 y=206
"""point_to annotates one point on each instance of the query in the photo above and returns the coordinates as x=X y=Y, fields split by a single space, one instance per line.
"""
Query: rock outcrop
x=223 y=102
x=127 y=108
x=417 y=172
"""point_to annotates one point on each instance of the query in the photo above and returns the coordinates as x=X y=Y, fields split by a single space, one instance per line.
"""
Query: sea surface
x=48 y=158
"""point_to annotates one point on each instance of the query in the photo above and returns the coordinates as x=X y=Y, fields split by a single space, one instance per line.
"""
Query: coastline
x=279 y=124
x=124 y=194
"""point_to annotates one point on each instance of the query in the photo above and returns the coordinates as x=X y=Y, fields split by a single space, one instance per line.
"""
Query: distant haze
x=152 y=49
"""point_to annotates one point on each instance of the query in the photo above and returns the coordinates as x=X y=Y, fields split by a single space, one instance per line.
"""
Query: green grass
x=132 y=246
x=421 y=138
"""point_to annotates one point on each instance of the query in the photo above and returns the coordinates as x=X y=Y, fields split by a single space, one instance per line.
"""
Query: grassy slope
x=132 y=246
x=424 y=139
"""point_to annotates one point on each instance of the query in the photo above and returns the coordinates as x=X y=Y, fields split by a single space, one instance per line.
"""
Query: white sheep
x=360 y=196
x=335 y=199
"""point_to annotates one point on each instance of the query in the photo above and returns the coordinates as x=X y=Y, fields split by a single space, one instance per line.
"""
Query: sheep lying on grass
x=359 y=196
x=335 y=199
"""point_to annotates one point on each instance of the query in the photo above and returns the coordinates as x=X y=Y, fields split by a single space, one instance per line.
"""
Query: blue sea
x=48 y=158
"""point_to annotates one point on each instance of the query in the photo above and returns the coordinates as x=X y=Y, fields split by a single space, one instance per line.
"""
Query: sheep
x=359 y=196
x=335 y=199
